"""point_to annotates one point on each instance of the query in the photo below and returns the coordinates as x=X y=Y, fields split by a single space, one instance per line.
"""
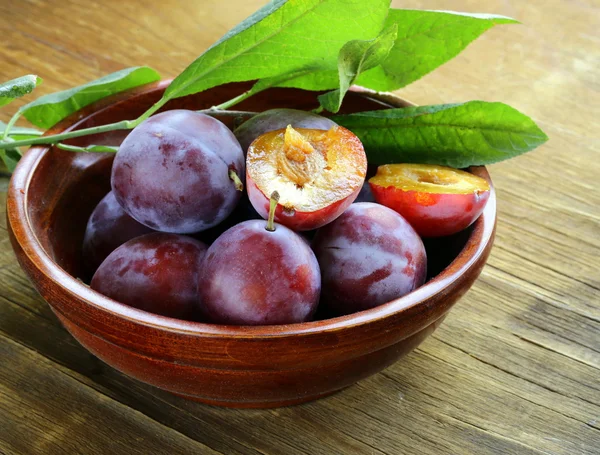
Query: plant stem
x=234 y=101
x=53 y=139
x=27 y=134
x=155 y=107
x=228 y=113
x=124 y=125
x=88 y=149
x=318 y=110
x=10 y=124
x=273 y=205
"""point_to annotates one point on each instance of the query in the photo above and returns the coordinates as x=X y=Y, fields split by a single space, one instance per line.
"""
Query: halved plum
x=317 y=174
x=436 y=200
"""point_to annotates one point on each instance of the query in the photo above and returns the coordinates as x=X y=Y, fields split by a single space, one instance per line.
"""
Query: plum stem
x=273 y=205
x=236 y=179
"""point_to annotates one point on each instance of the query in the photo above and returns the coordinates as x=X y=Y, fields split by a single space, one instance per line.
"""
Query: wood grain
x=513 y=369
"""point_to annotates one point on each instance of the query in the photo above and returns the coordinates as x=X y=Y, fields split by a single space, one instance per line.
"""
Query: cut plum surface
x=435 y=200
x=317 y=173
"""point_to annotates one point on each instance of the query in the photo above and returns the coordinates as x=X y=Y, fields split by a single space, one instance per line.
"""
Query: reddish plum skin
x=172 y=172
x=275 y=119
x=433 y=214
x=368 y=256
x=251 y=276
x=157 y=273
x=108 y=228
x=297 y=220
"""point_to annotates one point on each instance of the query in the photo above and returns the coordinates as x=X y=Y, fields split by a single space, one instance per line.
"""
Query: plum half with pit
x=435 y=200
x=276 y=119
x=368 y=256
x=108 y=228
x=259 y=273
x=178 y=172
x=317 y=174
x=156 y=272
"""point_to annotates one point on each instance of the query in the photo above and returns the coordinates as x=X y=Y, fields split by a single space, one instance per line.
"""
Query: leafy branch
x=319 y=45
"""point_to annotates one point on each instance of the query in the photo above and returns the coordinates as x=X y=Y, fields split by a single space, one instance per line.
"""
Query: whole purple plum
x=276 y=119
x=108 y=228
x=172 y=172
x=156 y=272
x=252 y=276
x=368 y=256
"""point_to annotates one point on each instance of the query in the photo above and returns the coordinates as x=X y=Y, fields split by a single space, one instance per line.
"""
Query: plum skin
x=156 y=272
x=251 y=276
x=297 y=220
x=108 y=227
x=276 y=119
x=433 y=214
x=171 y=172
x=368 y=256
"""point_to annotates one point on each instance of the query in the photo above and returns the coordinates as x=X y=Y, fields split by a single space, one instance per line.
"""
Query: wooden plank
x=193 y=419
x=45 y=411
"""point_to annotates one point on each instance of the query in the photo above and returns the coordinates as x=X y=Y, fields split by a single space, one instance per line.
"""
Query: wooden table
x=513 y=370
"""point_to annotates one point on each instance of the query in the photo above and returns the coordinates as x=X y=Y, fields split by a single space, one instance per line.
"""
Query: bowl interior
x=64 y=187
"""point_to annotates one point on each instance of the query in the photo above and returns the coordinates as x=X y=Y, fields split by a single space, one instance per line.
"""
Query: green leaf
x=283 y=37
x=426 y=40
x=10 y=157
x=456 y=135
x=50 y=109
x=17 y=88
x=355 y=57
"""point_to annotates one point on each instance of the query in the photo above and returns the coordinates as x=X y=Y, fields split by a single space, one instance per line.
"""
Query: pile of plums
x=262 y=225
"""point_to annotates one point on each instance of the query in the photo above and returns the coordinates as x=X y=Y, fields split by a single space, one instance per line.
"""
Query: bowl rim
x=18 y=218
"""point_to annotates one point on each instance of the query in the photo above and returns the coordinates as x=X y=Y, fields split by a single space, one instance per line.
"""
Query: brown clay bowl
x=51 y=196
